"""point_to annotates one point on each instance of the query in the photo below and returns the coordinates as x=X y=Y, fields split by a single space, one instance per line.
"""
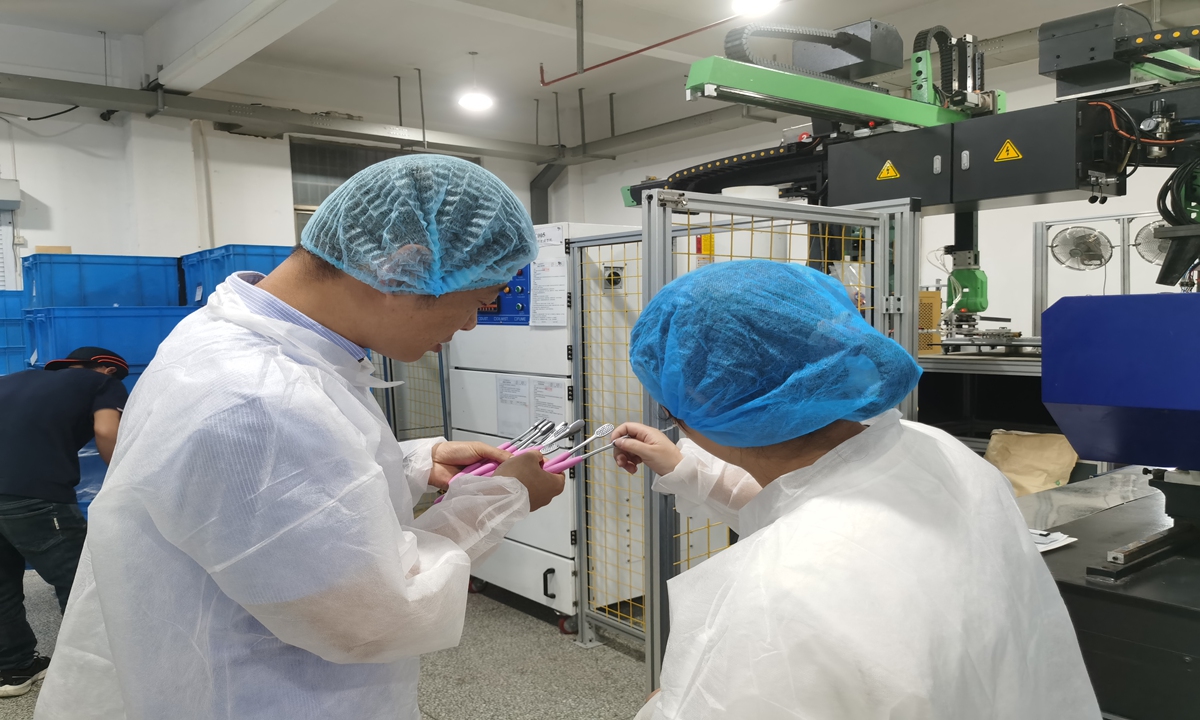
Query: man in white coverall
x=253 y=553
x=883 y=571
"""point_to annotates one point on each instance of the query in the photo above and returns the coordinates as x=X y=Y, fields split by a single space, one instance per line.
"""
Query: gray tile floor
x=512 y=664
x=41 y=607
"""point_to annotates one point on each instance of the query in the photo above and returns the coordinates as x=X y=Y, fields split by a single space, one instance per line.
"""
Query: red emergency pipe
x=542 y=69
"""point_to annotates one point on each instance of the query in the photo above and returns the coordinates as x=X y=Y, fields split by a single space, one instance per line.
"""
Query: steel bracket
x=673 y=199
x=893 y=305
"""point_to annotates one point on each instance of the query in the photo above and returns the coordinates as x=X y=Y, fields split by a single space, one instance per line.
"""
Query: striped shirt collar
x=261 y=302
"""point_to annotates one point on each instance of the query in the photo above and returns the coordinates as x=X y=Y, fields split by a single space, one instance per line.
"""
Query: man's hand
x=449 y=458
x=527 y=468
x=637 y=444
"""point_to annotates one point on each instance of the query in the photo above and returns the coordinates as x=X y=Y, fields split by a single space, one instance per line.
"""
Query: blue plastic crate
x=135 y=372
x=133 y=332
x=204 y=270
x=91 y=474
x=12 y=359
x=53 y=280
x=11 y=304
x=11 y=334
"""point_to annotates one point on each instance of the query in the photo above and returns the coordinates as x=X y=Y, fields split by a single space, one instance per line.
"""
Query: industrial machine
x=1113 y=370
x=1132 y=581
x=515 y=368
x=1128 y=96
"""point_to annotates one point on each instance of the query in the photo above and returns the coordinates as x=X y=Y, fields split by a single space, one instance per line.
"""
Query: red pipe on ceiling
x=542 y=69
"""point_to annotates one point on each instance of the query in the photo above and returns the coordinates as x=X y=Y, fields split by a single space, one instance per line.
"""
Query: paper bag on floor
x=1032 y=462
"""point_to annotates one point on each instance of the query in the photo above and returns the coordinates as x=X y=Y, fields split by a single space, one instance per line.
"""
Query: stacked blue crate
x=204 y=270
x=53 y=280
x=132 y=332
x=12 y=341
x=127 y=304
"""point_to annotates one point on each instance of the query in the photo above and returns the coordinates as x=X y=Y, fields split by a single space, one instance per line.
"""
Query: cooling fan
x=1152 y=249
x=1081 y=248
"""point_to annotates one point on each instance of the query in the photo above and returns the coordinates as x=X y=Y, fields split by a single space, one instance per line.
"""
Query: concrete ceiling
x=382 y=38
x=345 y=57
x=130 y=17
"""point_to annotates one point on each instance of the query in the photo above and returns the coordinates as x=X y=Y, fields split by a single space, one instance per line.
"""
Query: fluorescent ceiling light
x=475 y=101
x=754 y=8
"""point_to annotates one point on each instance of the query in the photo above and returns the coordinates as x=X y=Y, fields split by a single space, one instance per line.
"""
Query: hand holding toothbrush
x=450 y=457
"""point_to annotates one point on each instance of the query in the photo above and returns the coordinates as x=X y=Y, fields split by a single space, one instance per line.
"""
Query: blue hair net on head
x=754 y=352
x=424 y=225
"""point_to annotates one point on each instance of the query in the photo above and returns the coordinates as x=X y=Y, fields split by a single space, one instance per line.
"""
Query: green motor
x=973 y=282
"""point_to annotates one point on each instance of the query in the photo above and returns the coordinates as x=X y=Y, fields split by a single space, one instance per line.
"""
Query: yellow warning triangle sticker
x=889 y=172
x=1008 y=151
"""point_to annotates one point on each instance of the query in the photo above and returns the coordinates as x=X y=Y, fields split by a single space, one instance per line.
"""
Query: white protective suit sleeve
x=652 y=710
x=281 y=500
x=476 y=513
x=418 y=460
x=705 y=485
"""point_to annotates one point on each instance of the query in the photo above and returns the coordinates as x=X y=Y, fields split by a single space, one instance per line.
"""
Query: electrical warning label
x=889 y=172
x=1008 y=151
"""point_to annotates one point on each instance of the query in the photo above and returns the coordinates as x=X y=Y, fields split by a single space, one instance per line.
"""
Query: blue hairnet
x=754 y=352
x=425 y=225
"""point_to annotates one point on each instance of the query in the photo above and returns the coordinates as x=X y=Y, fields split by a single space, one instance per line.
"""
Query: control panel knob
x=520 y=307
x=518 y=289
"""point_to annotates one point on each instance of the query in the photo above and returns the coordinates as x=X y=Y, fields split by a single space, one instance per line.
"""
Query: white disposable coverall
x=253 y=553
x=894 y=578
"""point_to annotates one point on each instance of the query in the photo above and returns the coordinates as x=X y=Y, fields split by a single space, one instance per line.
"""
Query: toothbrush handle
x=487 y=469
x=472 y=469
x=560 y=465
x=557 y=459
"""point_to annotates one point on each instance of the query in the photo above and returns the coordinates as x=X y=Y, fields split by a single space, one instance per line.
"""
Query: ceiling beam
x=262 y=120
x=197 y=42
x=275 y=122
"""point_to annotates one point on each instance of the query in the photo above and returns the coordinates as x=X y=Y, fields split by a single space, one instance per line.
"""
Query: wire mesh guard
x=610 y=289
x=845 y=252
x=414 y=409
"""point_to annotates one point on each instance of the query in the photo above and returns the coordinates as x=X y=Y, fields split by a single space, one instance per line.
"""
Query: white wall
x=251 y=189
x=132 y=185
x=75 y=179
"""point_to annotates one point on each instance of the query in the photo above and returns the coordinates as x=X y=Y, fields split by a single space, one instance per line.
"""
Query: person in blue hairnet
x=253 y=553
x=882 y=569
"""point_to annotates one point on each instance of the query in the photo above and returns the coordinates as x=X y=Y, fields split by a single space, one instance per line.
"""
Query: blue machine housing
x=1119 y=377
x=512 y=304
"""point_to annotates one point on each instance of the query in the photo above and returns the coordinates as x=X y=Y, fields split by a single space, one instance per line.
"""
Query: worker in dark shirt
x=46 y=417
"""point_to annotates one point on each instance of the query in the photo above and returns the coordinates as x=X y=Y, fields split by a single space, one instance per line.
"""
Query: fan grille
x=1081 y=248
x=1150 y=248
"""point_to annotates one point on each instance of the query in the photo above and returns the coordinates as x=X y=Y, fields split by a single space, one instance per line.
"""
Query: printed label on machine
x=522 y=401
x=549 y=401
x=548 y=302
x=549 y=235
x=512 y=405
